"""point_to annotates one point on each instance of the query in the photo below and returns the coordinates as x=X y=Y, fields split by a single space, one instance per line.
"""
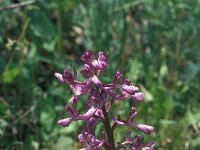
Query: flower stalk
x=109 y=130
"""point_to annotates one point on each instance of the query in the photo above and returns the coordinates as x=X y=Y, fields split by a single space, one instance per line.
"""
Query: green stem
x=109 y=131
x=59 y=28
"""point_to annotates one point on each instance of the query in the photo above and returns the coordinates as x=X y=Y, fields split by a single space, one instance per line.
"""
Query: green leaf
x=192 y=70
x=10 y=75
x=148 y=95
x=3 y=108
x=43 y=29
x=163 y=70
x=195 y=142
x=63 y=143
x=2 y=64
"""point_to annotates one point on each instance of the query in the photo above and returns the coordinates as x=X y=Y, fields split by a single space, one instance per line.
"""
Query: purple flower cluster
x=101 y=97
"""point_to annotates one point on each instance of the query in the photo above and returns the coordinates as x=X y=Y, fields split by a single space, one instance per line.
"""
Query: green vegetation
x=155 y=42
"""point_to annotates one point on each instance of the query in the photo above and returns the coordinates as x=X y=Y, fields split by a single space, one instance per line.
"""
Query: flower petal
x=90 y=141
x=65 y=122
x=90 y=113
x=88 y=56
x=130 y=89
x=73 y=101
x=138 y=96
x=118 y=97
x=68 y=77
x=119 y=122
x=71 y=111
x=145 y=128
x=59 y=77
x=118 y=76
x=132 y=114
x=87 y=71
x=96 y=81
x=76 y=89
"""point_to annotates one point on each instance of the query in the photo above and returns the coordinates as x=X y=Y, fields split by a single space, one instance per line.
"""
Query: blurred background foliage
x=155 y=43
